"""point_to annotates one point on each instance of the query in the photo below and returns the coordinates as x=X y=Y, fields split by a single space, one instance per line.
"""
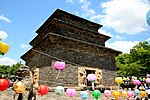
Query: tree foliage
x=7 y=71
x=137 y=62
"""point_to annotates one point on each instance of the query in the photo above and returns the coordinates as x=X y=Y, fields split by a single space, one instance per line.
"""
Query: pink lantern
x=59 y=66
x=148 y=80
x=71 y=92
x=148 y=75
x=136 y=82
x=107 y=93
x=130 y=94
x=91 y=78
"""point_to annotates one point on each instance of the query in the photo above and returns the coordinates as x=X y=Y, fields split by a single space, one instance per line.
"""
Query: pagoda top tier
x=72 y=19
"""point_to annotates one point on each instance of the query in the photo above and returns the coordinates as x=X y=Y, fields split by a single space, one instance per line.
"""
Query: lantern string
x=54 y=57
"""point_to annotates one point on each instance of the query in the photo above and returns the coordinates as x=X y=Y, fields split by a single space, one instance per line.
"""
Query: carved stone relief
x=82 y=76
x=98 y=74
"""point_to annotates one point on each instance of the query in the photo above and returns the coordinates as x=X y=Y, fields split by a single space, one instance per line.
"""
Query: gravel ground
x=8 y=95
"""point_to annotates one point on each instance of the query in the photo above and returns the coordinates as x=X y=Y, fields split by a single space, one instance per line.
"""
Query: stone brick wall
x=108 y=77
x=79 y=57
x=68 y=77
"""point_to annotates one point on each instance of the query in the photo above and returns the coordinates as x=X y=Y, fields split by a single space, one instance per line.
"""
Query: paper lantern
x=84 y=95
x=96 y=94
x=148 y=17
x=59 y=90
x=4 y=84
x=3 y=48
x=136 y=82
x=124 y=78
x=148 y=75
x=144 y=79
x=136 y=92
x=130 y=94
x=140 y=79
x=59 y=66
x=107 y=93
x=148 y=80
x=19 y=87
x=143 y=94
x=148 y=91
x=71 y=92
x=116 y=94
x=124 y=94
x=91 y=78
x=43 y=89
x=118 y=80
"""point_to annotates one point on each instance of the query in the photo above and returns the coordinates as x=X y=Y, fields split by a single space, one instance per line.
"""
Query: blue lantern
x=84 y=95
x=136 y=92
x=148 y=17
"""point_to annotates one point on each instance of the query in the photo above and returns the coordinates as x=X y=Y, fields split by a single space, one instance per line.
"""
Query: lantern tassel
x=118 y=87
x=58 y=74
x=117 y=98
x=93 y=85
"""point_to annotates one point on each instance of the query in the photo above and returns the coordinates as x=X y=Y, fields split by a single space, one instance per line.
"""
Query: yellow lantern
x=144 y=79
x=124 y=94
x=143 y=94
x=3 y=48
x=118 y=80
x=19 y=87
x=116 y=94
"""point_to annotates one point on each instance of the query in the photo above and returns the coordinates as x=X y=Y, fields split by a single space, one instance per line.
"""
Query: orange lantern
x=3 y=48
x=116 y=94
x=143 y=94
x=43 y=89
x=19 y=87
x=4 y=84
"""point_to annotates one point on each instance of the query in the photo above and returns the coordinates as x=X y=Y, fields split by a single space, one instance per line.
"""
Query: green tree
x=9 y=70
x=135 y=63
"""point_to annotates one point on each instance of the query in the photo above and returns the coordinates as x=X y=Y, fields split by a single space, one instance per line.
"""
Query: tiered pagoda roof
x=64 y=25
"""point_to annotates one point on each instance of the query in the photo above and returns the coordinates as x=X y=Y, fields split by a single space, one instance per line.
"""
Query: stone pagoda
x=76 y=41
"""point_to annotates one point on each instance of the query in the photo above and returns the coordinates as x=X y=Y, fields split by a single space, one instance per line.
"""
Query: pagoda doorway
x=89 y=72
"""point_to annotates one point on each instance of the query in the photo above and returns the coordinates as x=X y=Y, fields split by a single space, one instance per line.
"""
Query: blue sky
x=123 y=20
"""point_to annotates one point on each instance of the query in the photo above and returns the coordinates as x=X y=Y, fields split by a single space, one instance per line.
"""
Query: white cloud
x=3 y=35
x=7 y=61
x=125 y=16
x=148 y=39
x=118 y=37
x=70 y=1
x=87 y=12
x=123 y=46
x=24 y=46
x=2 y=17
x=82 y=1
x=105 y=32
